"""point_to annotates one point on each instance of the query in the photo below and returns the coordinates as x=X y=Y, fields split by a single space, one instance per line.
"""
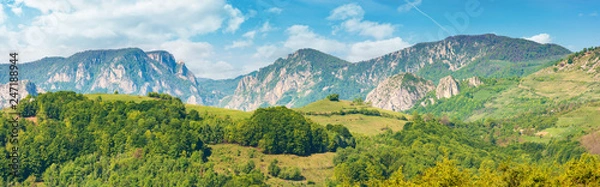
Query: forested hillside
x=69 y=139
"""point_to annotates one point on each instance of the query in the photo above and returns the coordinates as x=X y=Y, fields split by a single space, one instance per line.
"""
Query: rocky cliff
x=25 y=88
x=447 y=87
x=298 y=79
x=309 y=75
x=399 y=92
x=474 y=81
x=128 y=71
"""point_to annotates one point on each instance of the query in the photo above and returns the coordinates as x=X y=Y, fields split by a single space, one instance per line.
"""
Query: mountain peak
x=310 y=56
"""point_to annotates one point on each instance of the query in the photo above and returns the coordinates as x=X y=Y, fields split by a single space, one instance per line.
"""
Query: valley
x=323 y=124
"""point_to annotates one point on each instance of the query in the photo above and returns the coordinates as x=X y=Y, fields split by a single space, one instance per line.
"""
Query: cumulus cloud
x=266 y=51
x=348 y=11
x=542 y=38
x=410 y=4
x=300 y=36
x=235 y=20
x=248 y=37
x=275 y=10
x=351 y=16
x=370 y=49
x=368 y=28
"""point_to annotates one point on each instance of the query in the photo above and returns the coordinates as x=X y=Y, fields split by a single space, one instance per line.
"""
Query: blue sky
x=224 y=39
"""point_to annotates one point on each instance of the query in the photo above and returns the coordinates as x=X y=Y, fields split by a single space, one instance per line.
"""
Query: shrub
x=333 y=97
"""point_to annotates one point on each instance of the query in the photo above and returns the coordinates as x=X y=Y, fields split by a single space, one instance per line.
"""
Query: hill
x=308 y=75
x=358 y=117
x=120 y=140
x=556 y=103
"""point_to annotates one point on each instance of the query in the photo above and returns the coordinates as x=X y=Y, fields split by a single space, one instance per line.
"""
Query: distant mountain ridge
x=459 y=56
x=302 y=77
x=129 y=71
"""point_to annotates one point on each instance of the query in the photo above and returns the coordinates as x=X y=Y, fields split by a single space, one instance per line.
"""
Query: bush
x=291 y=173
x=333 y=97
x=274 y=170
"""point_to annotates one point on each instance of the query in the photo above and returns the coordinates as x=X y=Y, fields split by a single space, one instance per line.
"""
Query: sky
x=222 y=39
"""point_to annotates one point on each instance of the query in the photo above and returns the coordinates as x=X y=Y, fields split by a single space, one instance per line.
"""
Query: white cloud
x=65 y=27
x=187 y=51
x=410 y=4
x=235 y=20
x=352 y=17
x=275 y=10
x=249 y=37
x=46 y=6
x=249 y=34
x=300 y=36
x=266 y=27
x=368 y=28
x=197 y=57
x=2 y=15
x=239 y=44
x=266 y=51
x=347 y=11
x=542 y=38
x=594 y=14
x=370 y=49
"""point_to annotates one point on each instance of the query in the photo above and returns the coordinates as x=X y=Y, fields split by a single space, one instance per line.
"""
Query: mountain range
x=302 y=77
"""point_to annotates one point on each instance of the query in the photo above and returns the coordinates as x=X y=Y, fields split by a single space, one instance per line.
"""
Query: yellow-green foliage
x=579 y=172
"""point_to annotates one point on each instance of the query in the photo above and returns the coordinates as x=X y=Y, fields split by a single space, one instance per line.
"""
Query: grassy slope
x=234 y=114
x=356 y=123
x=555 y=84
x=315 y=168
x=119 y=97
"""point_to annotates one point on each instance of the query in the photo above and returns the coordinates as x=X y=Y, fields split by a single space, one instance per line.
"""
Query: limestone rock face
x=399 y=92
x=474 y=81
x=313 y=75
x=128 y=71
x=25 y=87
x=447 y=87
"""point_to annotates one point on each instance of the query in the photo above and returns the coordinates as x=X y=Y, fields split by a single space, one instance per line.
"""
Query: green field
x=356 y=123
x=316 y=167
x=119 y=97
x=233 y=114
x=331 y=106
x=361 y=124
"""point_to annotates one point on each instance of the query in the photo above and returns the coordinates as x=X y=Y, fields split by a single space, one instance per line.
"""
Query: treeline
x=363 y=111
x=279 y=130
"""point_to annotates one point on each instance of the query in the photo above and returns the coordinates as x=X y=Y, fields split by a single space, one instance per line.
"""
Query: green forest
x=68 y=139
